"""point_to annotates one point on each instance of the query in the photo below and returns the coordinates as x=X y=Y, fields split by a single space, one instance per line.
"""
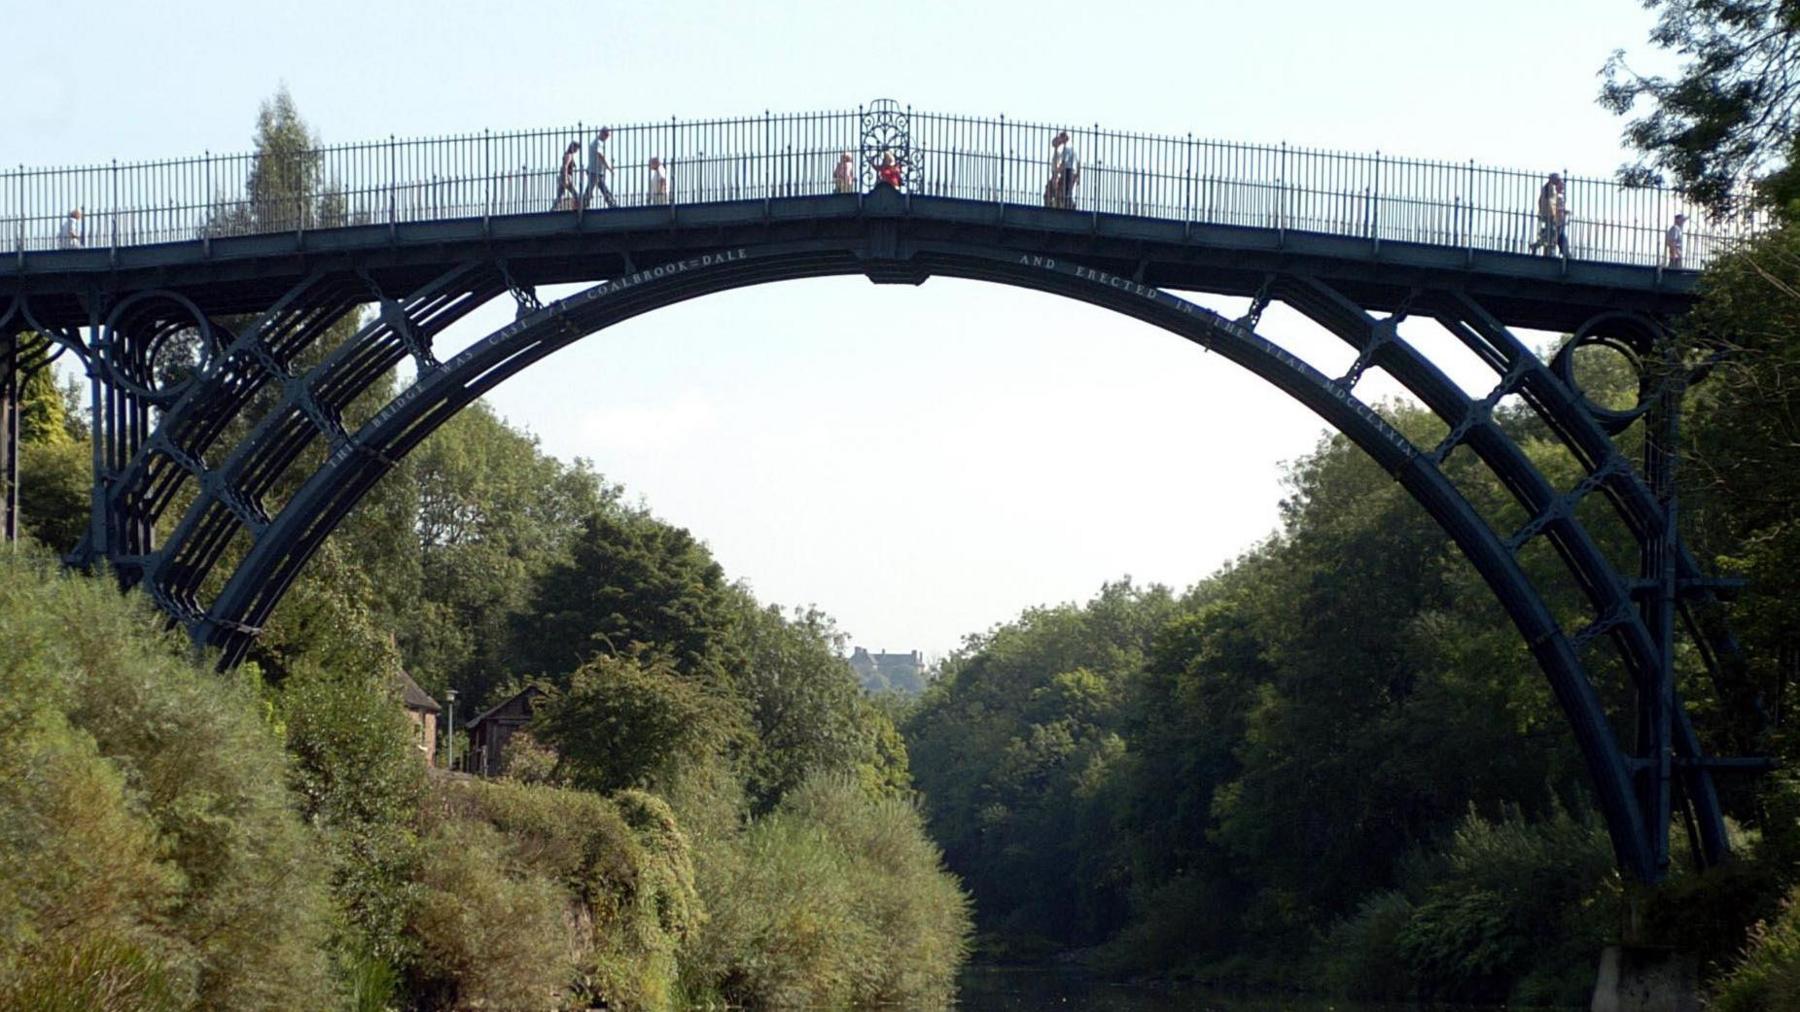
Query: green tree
x=804 y=704
x=629 y=580
x=1744 y=422
x=284 y=185
x=634 y=721
x=358 y=781
x=56 y=462
x=494 y=512
x=1730 y=114
x=1013 y=746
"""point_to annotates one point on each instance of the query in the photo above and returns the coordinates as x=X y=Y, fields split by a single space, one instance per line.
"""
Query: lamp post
x=450 y=732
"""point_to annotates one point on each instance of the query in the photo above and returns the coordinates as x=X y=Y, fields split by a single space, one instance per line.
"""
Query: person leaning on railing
x=889 y=171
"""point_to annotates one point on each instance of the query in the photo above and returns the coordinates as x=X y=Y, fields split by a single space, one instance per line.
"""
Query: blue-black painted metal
x=1374 y=198
x=215 y=461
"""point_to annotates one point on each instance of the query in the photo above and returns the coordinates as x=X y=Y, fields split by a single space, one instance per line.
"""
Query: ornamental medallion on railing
x=886 y=132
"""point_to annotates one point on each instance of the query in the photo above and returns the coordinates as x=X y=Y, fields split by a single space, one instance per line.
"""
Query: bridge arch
x=1633 y=786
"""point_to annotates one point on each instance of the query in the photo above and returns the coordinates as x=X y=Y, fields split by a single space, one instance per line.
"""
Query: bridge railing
x=1280 y=187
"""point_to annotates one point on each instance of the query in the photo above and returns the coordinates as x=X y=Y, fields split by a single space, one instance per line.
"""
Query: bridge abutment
x=1645 y=978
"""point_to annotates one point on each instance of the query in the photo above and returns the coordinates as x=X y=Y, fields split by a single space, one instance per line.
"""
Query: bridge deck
x=1208 y=213
x=244 y=273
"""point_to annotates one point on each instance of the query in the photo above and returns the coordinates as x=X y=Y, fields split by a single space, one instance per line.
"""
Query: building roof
x=414 y=697
x=534 y=690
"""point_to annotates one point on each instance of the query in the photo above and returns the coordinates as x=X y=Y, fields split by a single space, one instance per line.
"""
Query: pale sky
x=920 y=463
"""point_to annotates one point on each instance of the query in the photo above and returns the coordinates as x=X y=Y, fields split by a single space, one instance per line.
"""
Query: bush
x=96 y=974
x=1189 y=916
x=358 y=779
x=1766 y=977
x=82 y=881
x=489 y=933
x=620 y=872
x=1507 y=910
x=153 y=855
x=529 y=762
x=835 y=898
x=1363 y=958
x=625 y=722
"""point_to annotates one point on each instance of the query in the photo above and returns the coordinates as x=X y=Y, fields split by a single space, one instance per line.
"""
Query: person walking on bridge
x=70 y=235
x=1553 y=217
x=598 y=167
x=843 y=177
x=659 y=181
x=1672 y=242
x=1065 y=164
x=565 y=178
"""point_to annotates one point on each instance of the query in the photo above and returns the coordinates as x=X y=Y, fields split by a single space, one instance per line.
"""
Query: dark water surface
x=1035 y=988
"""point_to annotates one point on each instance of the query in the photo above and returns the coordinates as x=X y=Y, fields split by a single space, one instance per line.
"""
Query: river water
x=1034 y=989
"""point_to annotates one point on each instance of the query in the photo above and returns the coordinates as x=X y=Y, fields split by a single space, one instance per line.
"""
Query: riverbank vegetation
x=1330 y=765
x=186 y=839
x=1333 y=764
x=706 y=811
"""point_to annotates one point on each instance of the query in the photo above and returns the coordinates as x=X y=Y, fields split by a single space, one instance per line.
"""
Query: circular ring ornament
x=139 y=377
x=1627 y=334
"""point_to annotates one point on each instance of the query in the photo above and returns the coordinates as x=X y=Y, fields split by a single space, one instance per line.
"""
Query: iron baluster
x=1375 y=208
x=1281 y=199
x=1469 y=223
x=393 y=172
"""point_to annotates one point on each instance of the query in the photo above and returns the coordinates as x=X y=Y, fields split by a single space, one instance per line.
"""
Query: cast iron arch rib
x=278 y=551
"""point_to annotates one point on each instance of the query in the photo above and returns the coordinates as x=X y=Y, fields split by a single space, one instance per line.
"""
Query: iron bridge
x=214 y=483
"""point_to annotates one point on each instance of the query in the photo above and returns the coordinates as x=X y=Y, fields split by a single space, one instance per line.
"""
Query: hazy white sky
x=921 y=463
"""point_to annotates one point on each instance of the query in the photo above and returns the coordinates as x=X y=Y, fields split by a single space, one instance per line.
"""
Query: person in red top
x=889 y=172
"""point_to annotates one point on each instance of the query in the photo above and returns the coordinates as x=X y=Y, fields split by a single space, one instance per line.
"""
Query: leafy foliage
x=605 y=887
x=1202 y=781
x=1730 y=115
x=56 y=461
x=358 y=779
x=804 y=705
x=152 y=849
x=633 y=722
x=489 y=933
x=493 y=512
x=835 y=899
x=1767 y=976
x=629 y=581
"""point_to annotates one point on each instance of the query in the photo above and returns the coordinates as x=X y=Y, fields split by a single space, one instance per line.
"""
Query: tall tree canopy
x=1729 y=116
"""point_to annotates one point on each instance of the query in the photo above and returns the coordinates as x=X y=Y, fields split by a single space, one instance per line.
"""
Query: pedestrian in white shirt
x=70 y=236
x=1672 y=241
x=659 y=181
x=843 y=177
